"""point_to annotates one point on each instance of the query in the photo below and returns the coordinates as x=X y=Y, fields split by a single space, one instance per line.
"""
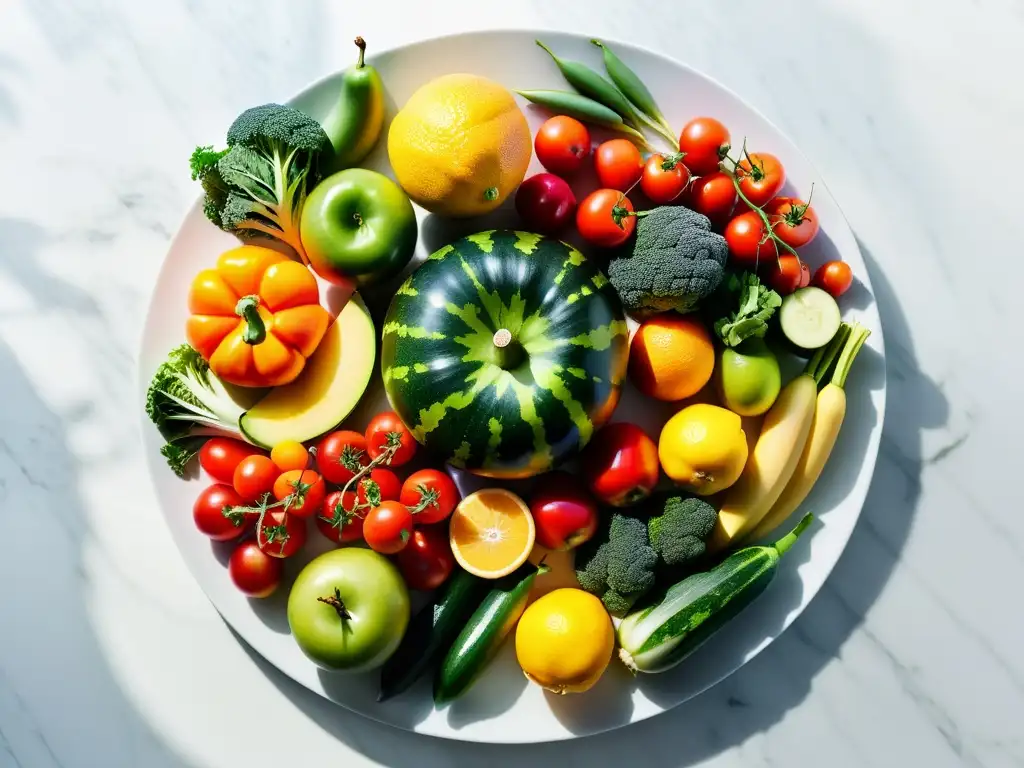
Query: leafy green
x=189 y=404
x=754 y=305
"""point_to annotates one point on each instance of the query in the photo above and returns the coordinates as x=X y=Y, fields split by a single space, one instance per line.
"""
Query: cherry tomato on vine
x=793 y=220
x=834 y=277
x=340 y=455
x=386 y=429
x=208 y=512
x=304 y=489
x=255 y=476
x=253 y=571
x=339 y=521
x=705 y=142
x=664 y=178
x=714 y=196
x=427 y=561
x=619 y=164
x=290 y=454
x=432 y=492
x=220 y=455
x=281 y=534
x=604 y=218
x=761 y=177
x=562 y=144
x=784 y=274
x=387 y=528
x=749 y=244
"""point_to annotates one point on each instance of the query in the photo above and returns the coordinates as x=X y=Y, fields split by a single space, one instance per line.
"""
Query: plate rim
x=870 y=461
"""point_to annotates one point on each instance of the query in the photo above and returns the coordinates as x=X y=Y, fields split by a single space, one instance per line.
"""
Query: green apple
x=748 y=377
x=348 y=609
x=358 y=225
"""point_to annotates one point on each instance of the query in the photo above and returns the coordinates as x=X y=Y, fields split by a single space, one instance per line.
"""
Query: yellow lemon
x=564 y=641
x=460 y=145
x=703 y=448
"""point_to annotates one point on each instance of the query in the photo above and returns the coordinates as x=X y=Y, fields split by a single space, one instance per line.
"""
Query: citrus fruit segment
x=491 y=533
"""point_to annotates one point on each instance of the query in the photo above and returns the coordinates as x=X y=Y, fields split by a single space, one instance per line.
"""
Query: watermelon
x=504 y=352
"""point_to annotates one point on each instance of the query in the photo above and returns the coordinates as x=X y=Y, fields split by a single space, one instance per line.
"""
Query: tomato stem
x=394 y=442
x=428 y=498
x=770 y=233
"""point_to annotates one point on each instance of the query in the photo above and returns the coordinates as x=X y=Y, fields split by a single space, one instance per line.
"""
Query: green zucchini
x=481 y=638
x=670 y=627
x=431 y=631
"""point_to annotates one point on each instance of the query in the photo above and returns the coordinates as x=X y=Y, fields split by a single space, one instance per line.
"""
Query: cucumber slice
x=809 y=318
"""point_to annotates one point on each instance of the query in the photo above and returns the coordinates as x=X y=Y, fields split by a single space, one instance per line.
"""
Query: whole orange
x=671 y=357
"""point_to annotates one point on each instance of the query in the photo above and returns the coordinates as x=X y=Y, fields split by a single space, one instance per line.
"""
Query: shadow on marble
x=52 y=666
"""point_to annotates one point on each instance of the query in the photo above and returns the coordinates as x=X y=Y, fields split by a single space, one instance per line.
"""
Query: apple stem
x=336 y=603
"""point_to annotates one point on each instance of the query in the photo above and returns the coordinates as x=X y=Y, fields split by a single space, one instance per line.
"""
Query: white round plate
x=502 y=706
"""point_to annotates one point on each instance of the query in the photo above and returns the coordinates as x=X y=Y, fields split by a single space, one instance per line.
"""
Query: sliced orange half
x=491 y=533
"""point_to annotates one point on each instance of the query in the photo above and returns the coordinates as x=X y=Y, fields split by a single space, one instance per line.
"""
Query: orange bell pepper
x=255 y=317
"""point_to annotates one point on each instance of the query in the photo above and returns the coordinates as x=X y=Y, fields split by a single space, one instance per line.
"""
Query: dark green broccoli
x=674 y=262
x=256 y=187
x=618 y=564
x=679 y=529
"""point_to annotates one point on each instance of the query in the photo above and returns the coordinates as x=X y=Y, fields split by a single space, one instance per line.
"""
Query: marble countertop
x=913 y=652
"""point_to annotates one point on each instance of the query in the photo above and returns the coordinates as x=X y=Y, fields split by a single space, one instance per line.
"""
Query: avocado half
x=327 y=390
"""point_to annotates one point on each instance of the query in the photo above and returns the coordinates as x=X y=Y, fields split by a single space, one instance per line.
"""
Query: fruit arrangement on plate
x=504 y=355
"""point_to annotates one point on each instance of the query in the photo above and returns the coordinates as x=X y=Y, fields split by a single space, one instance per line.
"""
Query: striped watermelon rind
x=443 y=373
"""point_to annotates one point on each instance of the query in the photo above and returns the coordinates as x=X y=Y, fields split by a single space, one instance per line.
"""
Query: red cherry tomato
x=597 y=214
x=619 y=164
x=380 y=485
x=793 y=220
x=749 y=246
x=220 y=455
x=784 y=274
x=304 y=489
x=761 y=177
x=427 y=561
x=340 y=522
x=621 y=464
x=281 y=534
x=805 y=274
x=208 y=513
x=254 y=476
x=431 y=495
x=705 y=142
x=562 y=144
x=387 y=429
x=664 y=178
x=564 y=514
x=387 y=528
x=253 y=571
x=545 y=203
x=340 y=455
x=834 y=277
x=714 y=196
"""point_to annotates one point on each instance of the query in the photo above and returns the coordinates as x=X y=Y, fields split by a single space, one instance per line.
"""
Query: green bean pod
x=582 y=108
x=592 y=84
x=633 y=88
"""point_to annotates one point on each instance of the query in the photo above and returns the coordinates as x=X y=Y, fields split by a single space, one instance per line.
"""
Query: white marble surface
x=912 y=654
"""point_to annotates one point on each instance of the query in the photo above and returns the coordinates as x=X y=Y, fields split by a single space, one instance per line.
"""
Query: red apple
x=564 y=514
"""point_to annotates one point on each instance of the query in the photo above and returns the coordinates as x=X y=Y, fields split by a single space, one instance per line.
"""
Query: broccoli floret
x=617 y=564
x=674 y=262
x=631 y=559
x=678 y=532
x=188 y=404
x=592 y=564
x=257 y=186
